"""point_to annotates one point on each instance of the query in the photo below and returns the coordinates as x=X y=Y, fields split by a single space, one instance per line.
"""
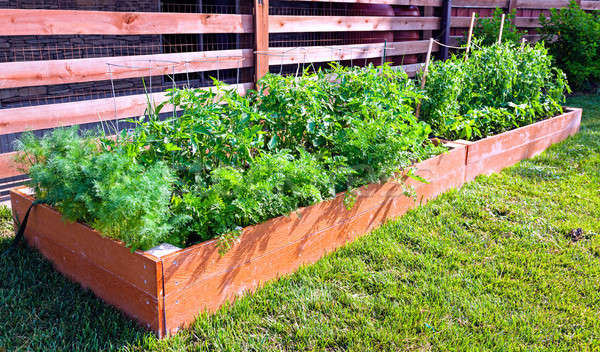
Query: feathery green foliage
x=496 y=89
x=105 y=189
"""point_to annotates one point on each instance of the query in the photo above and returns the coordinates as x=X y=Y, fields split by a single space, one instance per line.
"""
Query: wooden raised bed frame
x=167 y=293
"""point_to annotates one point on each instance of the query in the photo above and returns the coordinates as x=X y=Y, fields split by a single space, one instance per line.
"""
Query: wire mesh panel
x=347 y=43
x=53 y=80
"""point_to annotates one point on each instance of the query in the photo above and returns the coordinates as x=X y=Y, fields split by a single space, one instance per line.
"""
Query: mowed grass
x=498 y=265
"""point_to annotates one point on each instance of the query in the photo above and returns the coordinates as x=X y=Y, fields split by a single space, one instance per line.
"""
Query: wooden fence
x=48 y=71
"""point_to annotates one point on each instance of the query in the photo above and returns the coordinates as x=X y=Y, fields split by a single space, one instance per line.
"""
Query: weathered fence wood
x=59 y=22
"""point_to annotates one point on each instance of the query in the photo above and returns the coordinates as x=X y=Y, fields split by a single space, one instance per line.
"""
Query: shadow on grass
x=43 y=310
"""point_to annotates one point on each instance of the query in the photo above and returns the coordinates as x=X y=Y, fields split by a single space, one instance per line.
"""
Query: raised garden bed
x=167 y=292
x=494 y=153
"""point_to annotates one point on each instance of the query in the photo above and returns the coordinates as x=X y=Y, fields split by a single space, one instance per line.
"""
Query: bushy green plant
x=215 y=128
x=573 y=38
x=363 y=115
x=275 y=184
x=496 y=89
x=487 y=29
x=107 y=190
x=236 y=160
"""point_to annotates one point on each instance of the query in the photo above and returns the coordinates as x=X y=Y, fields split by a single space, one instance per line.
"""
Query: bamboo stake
x=470 y=35
x=427 y=59
x=501 y=29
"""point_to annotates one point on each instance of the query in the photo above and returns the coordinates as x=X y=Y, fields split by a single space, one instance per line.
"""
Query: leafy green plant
x=573 y=39
x=487 y=29
x=105 y=189
x=496 y=89
x=275 y=184
x=364 y=117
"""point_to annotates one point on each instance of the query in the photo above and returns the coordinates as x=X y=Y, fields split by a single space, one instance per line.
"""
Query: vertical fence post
x=512 y=5
x=261 y=38
x=445 y=27
x=427 y=12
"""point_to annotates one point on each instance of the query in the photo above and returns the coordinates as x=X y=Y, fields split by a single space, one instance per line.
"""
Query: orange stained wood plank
x=8 y=167
x=137 y=268
x=135 y=303
x=282 y=56
x=284 y=24
x=211 y=287
x=480 y=3
x=209 y=294
x=74 y=259
x=435 y=3
x=494 y=153
x=500 y=143
x=541 y=4
x=34 y=73
x=187 y=266
x=497 y=162
x=59 y=22
x=548 y=4
x=521 y=22
x=87 y=111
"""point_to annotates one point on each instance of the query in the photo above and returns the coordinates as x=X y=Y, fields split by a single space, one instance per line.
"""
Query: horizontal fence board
x=480 y=3
x=541 y=4
x=8 y=167
x=288 y=24
x=520 y=22
x=590 y=5
x=87 y=111
x=411 y=70
x=346 y=52
x=524 y=4
x=69 y=22
x=35 y=73
x=435 y=3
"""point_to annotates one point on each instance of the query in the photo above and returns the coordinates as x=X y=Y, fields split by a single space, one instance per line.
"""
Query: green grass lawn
x=493 y=266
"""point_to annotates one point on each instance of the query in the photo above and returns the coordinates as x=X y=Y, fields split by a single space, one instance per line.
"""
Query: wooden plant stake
x=470 y=35
x=427 y=59
x=501 y=29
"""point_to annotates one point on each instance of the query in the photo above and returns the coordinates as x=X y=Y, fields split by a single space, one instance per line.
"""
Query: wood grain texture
x=480 y=3
x=346 y=52
x=199 y=279
x=87 y=111
x=590 y=5
x=286 y=24
x=8 y=167
x=520 y=22
x=35 y=73
x=435 y=3
x=524 y=4
x=492 y=154
x=130 y=281
x=261 y=38
x=69 y=22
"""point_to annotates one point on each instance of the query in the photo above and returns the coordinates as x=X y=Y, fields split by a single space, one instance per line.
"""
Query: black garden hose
x=21 y=232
